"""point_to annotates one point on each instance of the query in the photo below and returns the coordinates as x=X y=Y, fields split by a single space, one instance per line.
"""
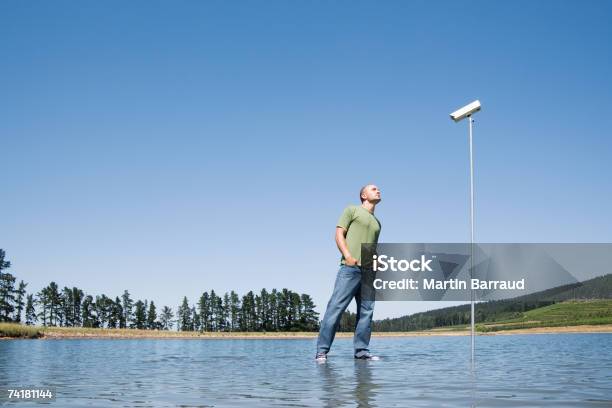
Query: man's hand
x=341 y=242
x=350 y=261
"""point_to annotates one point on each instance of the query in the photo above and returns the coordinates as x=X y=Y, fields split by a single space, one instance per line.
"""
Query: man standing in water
x=357 y=225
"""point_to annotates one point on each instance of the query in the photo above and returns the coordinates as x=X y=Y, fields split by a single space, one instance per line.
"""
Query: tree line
x=275 y=310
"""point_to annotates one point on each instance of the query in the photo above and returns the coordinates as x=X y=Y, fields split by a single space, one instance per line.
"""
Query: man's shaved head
x=369 y=192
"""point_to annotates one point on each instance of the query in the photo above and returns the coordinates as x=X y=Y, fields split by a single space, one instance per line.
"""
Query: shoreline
x=123 y=334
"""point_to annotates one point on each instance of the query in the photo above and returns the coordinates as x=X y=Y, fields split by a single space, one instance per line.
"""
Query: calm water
x=564 y=370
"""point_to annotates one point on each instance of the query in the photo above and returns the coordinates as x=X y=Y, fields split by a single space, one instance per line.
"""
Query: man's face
x=372 y=194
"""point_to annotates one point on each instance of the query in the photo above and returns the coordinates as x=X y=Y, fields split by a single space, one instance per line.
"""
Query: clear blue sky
x=175 y=147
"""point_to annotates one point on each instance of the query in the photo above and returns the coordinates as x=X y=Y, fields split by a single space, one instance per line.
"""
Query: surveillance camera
x=466 y=111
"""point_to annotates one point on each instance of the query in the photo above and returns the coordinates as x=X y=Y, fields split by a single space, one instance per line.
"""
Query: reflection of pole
x=470 y=120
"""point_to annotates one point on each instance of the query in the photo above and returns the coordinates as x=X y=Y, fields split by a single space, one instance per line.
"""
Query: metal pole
x=472 y=331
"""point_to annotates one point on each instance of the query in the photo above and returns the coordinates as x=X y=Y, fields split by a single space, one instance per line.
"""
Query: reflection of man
x=357 y=225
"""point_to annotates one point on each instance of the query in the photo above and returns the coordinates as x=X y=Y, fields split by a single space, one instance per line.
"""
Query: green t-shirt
x=362 y=228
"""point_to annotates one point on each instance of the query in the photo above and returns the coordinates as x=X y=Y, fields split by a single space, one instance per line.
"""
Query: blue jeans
x=347 y=286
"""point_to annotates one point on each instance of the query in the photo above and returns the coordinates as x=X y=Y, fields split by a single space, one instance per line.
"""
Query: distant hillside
x=508 y=310
x=566 y=313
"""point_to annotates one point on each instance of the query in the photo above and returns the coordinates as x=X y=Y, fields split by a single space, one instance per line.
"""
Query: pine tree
x=87 y=315
x=140 y=318
x=234 y=311
x=264 y=315
x=226 y=308
x=42 y=299
x=20 y=301
x=195 y=319
x=295 y=304
x=248 y=313
x=54 y=304
x=7 y=290
x=274 y=316
x=309 y=319
x=282 y=305
x=50 y=300
x=103 y=309
x=67 y=306
x=30 y=312
x=219 y=314
x=166 y=318
x=259 y=313
x=184 y=315
x=114 y=312
x=146 y=310
x=116 y=318
x=77 y=299
x=204 y=311
x=152 y=317
x=127 y=304
x=213 y=311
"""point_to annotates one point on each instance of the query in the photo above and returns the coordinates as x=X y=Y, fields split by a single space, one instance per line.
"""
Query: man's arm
x=341 y=242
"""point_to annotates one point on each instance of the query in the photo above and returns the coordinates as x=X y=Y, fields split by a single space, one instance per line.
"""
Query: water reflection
x=343 y=385
x=365 y=387
x=331 y=395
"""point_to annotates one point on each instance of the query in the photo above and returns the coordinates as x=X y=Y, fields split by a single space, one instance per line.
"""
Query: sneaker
x=321 y=357
x=367 y=356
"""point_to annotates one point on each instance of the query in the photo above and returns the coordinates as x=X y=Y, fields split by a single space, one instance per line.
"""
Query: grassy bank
x=14 y=330
x=83 y=332
x=11 y=330
x=17 y=330
x=564 y=314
